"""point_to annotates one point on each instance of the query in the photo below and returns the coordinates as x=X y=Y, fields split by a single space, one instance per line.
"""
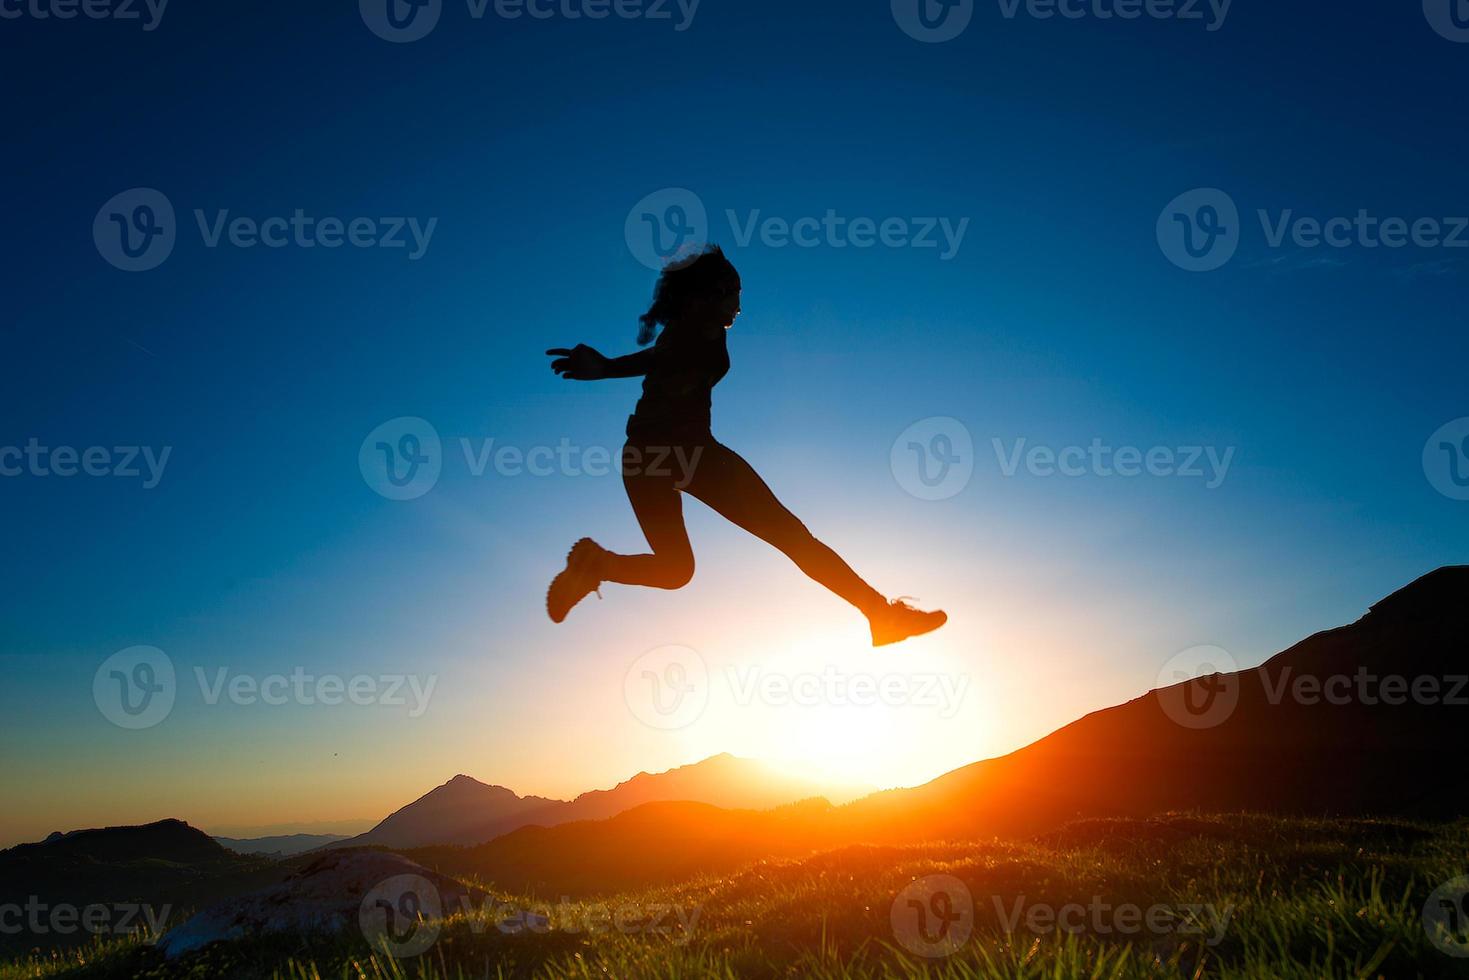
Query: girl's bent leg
x=656 y=503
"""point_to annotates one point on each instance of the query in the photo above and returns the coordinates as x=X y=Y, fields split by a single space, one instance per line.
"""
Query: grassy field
x=1182 y=896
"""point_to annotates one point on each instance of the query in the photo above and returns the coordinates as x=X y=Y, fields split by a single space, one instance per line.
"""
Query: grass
x=1230 y=897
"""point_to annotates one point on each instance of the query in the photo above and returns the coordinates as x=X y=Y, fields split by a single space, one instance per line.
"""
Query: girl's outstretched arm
x=633 y=365
x=583 y=363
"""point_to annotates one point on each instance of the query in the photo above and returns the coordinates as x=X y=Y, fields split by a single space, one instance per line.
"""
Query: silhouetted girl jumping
x=670 y=450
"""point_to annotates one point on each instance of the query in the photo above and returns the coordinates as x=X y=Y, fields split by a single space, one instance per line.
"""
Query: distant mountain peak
x=462 y=781
x=445 y=814
x=172 y=839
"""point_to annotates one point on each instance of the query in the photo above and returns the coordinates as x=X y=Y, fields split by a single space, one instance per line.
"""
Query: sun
x=843 y=743
x=831 y=710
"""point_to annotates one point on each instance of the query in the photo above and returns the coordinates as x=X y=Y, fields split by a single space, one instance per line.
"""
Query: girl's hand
x=581 y=363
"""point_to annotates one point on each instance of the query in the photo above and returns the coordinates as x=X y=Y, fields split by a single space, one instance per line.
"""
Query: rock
x=381 y=895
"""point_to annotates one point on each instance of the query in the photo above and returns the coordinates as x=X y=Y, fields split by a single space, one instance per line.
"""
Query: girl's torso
x=678 y=390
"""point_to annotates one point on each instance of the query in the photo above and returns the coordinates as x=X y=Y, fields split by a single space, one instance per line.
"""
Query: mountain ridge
x=466 y=812
x=1278 y=748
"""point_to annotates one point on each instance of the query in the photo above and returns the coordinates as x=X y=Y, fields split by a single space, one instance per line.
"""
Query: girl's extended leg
x=729 y=485
x=720 y=478
x=656 y=502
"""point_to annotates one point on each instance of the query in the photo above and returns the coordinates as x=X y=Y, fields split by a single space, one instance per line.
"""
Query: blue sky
x=1060 y=320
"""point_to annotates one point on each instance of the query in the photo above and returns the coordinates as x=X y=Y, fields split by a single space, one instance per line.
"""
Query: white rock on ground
x=328 y=895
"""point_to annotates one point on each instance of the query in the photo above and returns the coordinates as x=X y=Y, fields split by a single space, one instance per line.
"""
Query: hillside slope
x=1285 y=747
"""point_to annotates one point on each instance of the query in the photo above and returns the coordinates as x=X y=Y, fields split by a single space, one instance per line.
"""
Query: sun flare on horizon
x=821 y=709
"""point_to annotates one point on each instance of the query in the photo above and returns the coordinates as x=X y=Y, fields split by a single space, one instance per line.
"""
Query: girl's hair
x=706 y=271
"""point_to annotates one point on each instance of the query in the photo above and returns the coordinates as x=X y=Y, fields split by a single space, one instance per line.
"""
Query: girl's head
x=702 y=289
